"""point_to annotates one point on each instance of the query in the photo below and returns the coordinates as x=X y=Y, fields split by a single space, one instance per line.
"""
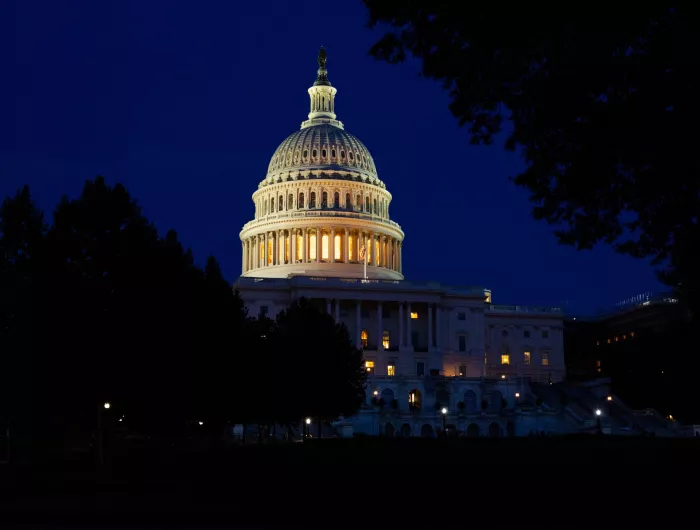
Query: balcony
x=322 y=213
x=494 y=308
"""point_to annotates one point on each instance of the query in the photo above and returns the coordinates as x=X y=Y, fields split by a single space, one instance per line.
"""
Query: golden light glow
x=505 y=358
x=261 y=259
x=375 y=258
x=545 y=358
x=325 y=241
x=287 y=244
x=300 y=247
x=391 y=370
x=338 y=248
x=385 y=340
x=632 y=334
x=312 y=246
x=414 y=315
x=526 y=357
x=351 y=248
x=364 y=338
x=487 y=297
x=369 y=366
x=269 y=252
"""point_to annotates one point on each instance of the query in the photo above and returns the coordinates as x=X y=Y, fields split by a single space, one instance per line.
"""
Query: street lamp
x=100 y=437
x=444 y=420
x=107 y=405
x=598 y=412
x=517 y=399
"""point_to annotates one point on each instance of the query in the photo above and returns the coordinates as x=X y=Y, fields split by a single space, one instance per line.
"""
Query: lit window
x=385 y=340
x=632 y=334
x=414 y=316
x=597 y=343
x=364 y=338
x=624 y=337
x=617 y=339
x=312 y=246
x=324 y=246
x=351 y=248
x=526 y=357
x=597 y=366
x=609 y=341
x=369 y=366
x=505 y=358
x=300 y=247
x=545 y=358
x=336 y=248
x=391 y=370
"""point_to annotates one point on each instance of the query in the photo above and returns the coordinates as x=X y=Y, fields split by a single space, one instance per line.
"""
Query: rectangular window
x=351 y=248
x=526 y=357
x=312 y=246
x=300 y=248
x=461 y=316
x=414 y=315
x=369 y=367
x=325 y=242
x=545 y=334
x=391 y=370
x=462 y=343
x=385 y=340
x=597 y=366
x=545 y=358
x=420 y=369
x=337 y=247
x=526 y=334
x=505 y=358
x=463 y=371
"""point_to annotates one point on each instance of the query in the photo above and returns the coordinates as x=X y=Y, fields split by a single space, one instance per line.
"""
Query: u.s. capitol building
x=319 y=211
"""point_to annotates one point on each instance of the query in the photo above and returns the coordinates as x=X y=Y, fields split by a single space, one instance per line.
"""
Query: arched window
x=348 y=201
x=332 y=153
x=314 y=153
x=336 y=200
x=364 y=338
x=300 y=204
x=366 y=204
x=342 y=155
x=265 y=208
x=290 y=202
x=312 y=200
x=306 y=154
x=272 y=205
x=385 y=340
x=323 y=153
x=280 y=203
x=375 y=211
x=324 y=199
x=358 y=203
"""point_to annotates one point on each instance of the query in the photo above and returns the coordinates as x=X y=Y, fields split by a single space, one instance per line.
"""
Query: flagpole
x=365 y=260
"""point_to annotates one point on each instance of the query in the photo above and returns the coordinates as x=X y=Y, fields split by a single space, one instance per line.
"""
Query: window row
x=373 y=206
x=527 y=358
x=528 y=334
x=352 y=157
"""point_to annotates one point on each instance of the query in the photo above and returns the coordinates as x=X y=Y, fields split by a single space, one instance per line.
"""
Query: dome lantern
x=322 y=96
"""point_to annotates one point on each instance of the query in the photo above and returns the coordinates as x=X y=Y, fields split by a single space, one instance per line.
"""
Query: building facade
x=322 y=231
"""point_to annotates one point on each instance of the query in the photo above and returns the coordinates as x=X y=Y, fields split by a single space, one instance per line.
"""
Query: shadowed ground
x=365 y=483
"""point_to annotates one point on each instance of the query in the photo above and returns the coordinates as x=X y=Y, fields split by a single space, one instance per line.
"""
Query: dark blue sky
x=185 y=103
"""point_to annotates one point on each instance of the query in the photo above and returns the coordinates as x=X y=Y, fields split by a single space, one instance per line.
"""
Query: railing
x=493 y=308
x=323 y=212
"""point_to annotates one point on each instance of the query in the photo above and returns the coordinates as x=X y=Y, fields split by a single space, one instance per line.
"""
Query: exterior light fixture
x=517 y=395
x=444 y=410
x=609 y=398
x=107 y=405
x=308 y=421
x=597 y=412
x=376 y=392
x=503 y=376
x=201 y=422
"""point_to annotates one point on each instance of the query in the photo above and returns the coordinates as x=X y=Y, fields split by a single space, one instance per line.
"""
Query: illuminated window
x=351 y=248
x=505 y=358
x=632 y=334
x=487 y=297
x=617 y=339
x=286 y=249
x=262 y=253
x=624 y=337
x=312 y=246
x=324 y=246
x=414 y=316
x=337 y=248
x=609 y=341
x=385 y=340
x=391 y=370
x=526 y=357
x=300 y=247
x=269 y=251
x=364 y=338
x=545 y=358
x=597 y=343
x=376 y=253
x=369 y=366
x=597 y=366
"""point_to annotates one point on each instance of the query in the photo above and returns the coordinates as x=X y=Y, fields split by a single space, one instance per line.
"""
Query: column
x=430 y=328
x=401 y=341
x=382 y=239
x=319 y=236
x=401 y=257
x=358 y=321
x=346 y=247
x=304 y=245
x=328 y=306
x=243 y=267
x=337 y=310
x=265 y=251
x=438 y=342
x=380 y=327
x=331 y=246
x=409 y=337
x=275 y=248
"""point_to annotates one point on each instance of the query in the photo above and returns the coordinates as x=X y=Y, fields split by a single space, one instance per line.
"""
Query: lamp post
x=517 y=399
x=100 y=436
x=444 y=420
x=598 y=413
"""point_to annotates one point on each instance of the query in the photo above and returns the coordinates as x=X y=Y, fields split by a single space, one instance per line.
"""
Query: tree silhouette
x=315 y=370
x=600 y=107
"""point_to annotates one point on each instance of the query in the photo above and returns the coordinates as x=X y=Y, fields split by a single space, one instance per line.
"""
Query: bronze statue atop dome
x=322 y=58
x=322 y=78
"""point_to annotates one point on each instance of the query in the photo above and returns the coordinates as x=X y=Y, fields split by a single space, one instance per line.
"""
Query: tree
x=315 y=368
x=600 y=105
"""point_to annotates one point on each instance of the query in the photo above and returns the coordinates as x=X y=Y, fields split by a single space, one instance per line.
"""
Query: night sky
x=185 y=103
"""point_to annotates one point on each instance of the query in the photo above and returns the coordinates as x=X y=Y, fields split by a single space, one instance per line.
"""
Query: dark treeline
x=97 y=306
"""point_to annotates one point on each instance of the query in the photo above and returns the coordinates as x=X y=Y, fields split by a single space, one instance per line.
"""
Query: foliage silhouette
x=600 y=107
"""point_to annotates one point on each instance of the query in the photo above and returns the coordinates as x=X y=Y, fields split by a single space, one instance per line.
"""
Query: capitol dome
x=321 y=210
